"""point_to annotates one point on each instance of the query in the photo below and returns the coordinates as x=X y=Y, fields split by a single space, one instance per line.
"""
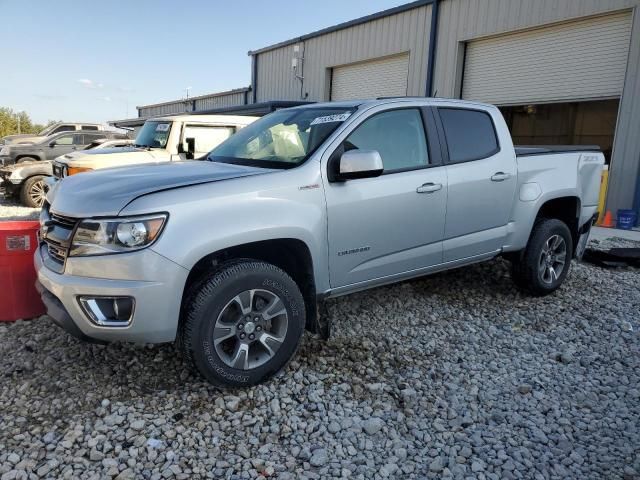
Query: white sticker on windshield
x=162 y=127
x=338 y=117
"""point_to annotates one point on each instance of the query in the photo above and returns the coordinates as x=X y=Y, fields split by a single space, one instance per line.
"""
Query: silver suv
x=232 y=257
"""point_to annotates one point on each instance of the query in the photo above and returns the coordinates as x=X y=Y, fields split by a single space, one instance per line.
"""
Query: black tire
x=26 y=160
x=530 y=269
x=212 y=297
x=33 y=191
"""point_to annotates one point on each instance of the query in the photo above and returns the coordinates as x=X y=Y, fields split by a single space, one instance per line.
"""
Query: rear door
x=482 y=176
x=392 y=224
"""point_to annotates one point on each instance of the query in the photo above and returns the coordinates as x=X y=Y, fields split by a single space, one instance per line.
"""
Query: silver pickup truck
x=233 y=257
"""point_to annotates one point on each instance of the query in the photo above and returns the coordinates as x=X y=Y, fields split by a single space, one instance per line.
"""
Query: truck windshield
x=153 y=135
x=283 y=139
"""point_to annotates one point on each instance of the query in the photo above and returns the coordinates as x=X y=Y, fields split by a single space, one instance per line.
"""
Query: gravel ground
x=456 y=374
x=11 y=209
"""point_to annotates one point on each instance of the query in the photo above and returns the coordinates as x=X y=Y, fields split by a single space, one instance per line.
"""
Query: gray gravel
x=10 y=209
x=456 y=375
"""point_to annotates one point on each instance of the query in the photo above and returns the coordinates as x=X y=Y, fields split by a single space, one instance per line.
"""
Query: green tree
x=18 y=122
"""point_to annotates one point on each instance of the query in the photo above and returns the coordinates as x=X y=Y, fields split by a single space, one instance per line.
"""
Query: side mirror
x=359 y=164
x=52 y=144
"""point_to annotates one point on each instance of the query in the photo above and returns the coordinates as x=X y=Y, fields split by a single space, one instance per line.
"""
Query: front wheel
x=242 y=324
x=545 y=262
x=33 y=191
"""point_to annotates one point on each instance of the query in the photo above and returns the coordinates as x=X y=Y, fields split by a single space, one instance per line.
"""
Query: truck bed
x=529 y=150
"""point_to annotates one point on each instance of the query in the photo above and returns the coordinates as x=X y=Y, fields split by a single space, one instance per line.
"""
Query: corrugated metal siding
x=585 y=59
x=165 y=109
x=220 y=101
x=462 y=20
x=626 y=147
x=404 y=32
x=465 y=20
x=378 y=78
x=217 y=100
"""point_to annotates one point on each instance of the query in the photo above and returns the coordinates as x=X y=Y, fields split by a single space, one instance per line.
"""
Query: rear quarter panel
x=545 y=177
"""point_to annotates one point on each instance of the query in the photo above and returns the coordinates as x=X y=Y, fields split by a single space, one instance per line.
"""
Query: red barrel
x=18 y=295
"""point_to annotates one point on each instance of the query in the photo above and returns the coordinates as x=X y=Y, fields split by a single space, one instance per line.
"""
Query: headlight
x=5 y=150
x=74 y=170
x=116 y=235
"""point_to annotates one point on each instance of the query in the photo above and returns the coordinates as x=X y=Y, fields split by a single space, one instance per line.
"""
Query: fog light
x=108 y=311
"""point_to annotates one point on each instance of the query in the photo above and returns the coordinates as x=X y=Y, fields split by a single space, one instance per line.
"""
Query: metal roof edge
x=341 y=26
x=199 y=97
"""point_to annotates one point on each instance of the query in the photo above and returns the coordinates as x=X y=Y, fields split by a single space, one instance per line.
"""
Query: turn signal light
x=74 y=170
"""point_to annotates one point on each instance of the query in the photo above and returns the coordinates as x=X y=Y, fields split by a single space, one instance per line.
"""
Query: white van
x=161 y=139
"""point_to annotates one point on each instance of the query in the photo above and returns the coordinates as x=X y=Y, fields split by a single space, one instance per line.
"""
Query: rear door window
x=470 y=134
x=89 y=127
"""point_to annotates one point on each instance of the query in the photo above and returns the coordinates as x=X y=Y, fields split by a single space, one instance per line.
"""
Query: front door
x=392 y=224
x=61 y=145
x=482 y=180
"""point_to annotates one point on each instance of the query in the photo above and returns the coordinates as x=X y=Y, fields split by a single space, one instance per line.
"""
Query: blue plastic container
x=626 y=219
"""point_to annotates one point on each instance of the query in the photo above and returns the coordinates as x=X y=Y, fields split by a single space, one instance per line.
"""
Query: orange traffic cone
x=608 y=220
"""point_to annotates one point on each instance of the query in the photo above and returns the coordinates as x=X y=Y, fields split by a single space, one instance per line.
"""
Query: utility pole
x=18 y=115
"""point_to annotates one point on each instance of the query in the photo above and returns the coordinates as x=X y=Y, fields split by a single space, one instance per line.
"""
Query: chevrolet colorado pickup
x=233 y=257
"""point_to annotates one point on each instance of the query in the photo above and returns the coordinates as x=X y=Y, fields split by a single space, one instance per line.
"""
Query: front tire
x=33 y=191
x=545 y=263
x=242 y=323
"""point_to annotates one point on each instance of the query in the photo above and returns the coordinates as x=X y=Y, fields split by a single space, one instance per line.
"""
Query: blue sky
x=95 y=61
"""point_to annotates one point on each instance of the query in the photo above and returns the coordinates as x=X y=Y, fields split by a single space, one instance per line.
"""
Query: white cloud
x=106 y=99
x=90 y=83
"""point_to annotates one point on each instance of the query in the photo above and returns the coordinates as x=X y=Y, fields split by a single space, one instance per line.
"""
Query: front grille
x=56 y=251
x=66 y=222
x=56 y=233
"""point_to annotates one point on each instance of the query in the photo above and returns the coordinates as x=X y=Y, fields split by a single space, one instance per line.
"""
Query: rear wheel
x=545 y=263
x=33 y=191
x=242 y=324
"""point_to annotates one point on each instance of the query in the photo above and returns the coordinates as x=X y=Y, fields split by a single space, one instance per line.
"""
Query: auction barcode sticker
x=338 y=117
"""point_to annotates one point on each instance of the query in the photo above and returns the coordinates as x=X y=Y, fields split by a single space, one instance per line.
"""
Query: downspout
x=254 y=78
x=433 y=38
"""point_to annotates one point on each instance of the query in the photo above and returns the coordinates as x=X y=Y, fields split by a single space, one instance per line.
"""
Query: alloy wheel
x=250 y=329
x=552 y=259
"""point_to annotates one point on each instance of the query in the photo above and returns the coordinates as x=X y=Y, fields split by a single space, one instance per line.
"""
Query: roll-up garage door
x=385 y=77
x=579 y=60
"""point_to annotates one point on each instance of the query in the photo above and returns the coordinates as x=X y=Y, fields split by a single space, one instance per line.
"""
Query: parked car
x=52 y=146
x=26 y=180
x=50 y=130
x=177 y=137
x=232 y=257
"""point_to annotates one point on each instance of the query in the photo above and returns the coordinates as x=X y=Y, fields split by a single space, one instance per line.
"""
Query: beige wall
x=403 y=32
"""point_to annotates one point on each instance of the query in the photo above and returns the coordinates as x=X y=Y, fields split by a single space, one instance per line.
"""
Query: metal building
x=562 y=71
x=230 y=98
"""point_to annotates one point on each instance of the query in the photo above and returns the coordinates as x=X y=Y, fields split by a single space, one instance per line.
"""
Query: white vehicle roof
x=218 y=119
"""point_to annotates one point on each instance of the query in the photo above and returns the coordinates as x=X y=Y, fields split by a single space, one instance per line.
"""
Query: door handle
x=500 y=177
x=429 y=187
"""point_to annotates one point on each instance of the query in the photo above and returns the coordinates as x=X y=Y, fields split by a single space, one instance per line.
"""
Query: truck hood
x=106 y=192
x=102 y=157
x=22 y=138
